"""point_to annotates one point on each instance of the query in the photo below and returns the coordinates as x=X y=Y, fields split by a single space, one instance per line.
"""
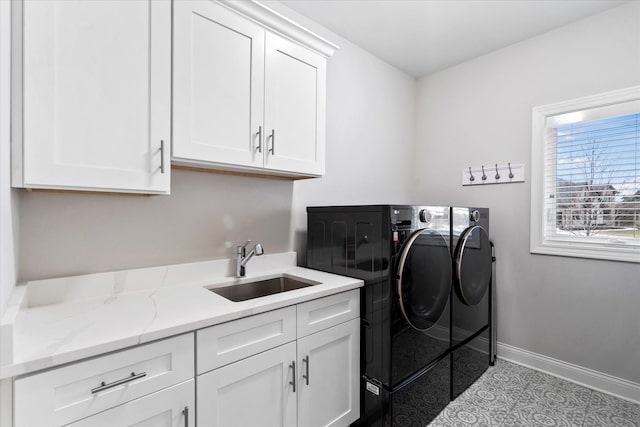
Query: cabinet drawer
x=322 y=313
x=222 y=344
x=171 y=407
x=66 y=394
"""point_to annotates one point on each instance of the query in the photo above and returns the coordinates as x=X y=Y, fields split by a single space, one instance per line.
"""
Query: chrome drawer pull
x=259 y=135
x=162 y=156
x=293 y=383
x=272 y=137
x=105 y=386
x=185 y=412
x=306 y=361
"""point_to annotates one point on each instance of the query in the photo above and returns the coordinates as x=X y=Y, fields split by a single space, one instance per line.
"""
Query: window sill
x=580 y=250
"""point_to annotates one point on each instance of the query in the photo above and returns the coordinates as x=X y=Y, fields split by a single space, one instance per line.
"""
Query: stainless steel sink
x=262 y=288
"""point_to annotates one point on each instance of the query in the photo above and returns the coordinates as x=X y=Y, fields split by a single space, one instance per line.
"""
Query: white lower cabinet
x=311 y=381
x=295 y=366
x=254 y=392
x=328 y=391
x=261 y=390
x=171 y=407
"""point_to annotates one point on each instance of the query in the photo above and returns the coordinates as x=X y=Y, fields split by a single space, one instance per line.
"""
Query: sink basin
x=262 y=288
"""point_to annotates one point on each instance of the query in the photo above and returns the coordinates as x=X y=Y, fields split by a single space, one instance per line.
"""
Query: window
x=585 y=180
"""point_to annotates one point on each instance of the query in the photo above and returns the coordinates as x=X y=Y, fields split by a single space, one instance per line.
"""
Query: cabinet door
x=171 y=407
x=96 y=95
x=329 y=376
x=218 y=85
x=253 y=392
x=295 y=80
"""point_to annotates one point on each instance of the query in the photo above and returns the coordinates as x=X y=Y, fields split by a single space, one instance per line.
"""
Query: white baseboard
x=605 y=383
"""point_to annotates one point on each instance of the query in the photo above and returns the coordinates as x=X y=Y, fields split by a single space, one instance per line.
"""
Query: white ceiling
x=424 y=36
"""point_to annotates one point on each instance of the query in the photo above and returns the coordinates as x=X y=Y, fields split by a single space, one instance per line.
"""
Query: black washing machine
x=403 y=253
x=471 y=331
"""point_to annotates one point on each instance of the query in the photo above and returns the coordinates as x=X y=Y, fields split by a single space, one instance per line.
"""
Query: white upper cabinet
x=218 y=85
x=294 y=107
x=246 y=98
x=95 y=79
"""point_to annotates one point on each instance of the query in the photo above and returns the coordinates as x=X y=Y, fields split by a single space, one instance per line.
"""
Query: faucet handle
x=243 y=247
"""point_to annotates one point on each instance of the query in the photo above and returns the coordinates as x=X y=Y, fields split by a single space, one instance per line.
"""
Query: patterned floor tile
x=605 y=410
x=463 y=415
x=495 y=407
x=569 y=396
x=610 y=420
x=510 y=395
x=601 y=402
x=543 y=381
x=539 y=415
x=507 y=376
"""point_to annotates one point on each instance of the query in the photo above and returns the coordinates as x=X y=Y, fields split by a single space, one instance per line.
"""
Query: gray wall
x=370 y=119
x=370 y=133
x=205 y=217
x=577 y=310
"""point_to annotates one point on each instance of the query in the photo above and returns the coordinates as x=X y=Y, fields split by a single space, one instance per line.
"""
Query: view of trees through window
x=597 y=179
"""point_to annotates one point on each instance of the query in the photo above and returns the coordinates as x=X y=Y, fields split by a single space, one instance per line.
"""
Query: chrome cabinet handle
x=161 y=156
x=306 y=362
x=105 y=386
x=185 y=412
x=293 y=383
x=272 y=137
x=259 y=134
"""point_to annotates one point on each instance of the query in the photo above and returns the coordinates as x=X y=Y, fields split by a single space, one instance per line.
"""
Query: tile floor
x=511 y=395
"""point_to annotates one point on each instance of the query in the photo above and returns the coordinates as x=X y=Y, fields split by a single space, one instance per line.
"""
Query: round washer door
x=473 y=265
x=424 y=278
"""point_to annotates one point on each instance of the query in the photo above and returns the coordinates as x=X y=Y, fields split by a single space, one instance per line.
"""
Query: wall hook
x=493 y=173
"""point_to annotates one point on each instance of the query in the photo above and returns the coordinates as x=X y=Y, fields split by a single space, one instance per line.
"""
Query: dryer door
x=473 y=265
x=424 y=278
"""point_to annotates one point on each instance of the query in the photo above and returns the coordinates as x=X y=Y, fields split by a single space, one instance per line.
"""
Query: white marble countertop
x=57 y=321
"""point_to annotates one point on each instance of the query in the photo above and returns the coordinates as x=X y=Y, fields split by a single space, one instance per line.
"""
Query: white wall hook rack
x=493 y=174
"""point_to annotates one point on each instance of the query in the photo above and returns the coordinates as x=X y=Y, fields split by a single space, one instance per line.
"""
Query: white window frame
x=541 y=116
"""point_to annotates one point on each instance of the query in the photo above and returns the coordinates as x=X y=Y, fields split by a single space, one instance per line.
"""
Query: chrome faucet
x=243 y=257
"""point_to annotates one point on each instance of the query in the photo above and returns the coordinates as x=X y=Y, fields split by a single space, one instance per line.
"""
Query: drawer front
x=322 y=313
x=66 y=394
x=228 y=342
x=171 y=407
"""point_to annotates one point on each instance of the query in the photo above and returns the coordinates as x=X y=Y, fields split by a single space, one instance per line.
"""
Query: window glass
x=594 y=191
x=585 y=173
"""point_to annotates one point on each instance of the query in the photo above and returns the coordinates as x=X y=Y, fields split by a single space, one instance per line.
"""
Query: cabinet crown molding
x=281 y=24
